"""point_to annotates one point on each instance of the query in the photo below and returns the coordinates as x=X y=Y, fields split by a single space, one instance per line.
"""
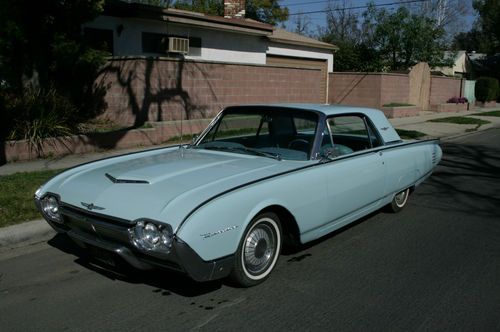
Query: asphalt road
x=434 y=266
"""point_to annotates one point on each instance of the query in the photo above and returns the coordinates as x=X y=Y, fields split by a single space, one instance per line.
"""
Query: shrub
x=486 y=89
x=457 y=100
x=40 y=114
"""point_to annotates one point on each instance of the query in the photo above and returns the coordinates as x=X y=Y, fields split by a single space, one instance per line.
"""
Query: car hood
x=163 y=185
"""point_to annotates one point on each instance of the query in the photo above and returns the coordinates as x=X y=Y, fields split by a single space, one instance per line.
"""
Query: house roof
x=239 y=25
x=136 y=10
x=287 y=37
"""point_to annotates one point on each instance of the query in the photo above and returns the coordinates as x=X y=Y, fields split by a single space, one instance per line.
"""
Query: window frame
x=369 y=127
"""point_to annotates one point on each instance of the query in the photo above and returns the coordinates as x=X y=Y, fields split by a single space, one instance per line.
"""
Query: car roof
x=378 y=118
x=326 y=109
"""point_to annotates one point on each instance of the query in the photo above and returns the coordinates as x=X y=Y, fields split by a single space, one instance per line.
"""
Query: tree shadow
x=466 y=175
x=149 y=86
x=151 y=92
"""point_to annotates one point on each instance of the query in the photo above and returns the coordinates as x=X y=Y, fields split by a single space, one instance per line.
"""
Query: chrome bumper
x=92 y=230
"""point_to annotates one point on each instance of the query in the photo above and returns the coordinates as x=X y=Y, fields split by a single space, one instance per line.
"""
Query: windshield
x=274 y=133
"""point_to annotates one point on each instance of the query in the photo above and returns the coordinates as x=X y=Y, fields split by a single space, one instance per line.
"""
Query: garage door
x=284 y=61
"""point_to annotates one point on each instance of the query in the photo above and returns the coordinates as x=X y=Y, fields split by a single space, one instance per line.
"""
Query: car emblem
x=91 y=206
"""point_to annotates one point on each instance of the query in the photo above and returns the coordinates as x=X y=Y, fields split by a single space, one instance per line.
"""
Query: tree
x=47 y=70
x=43 y=47
x=489 y=18
x=402 y=39
x=343 y=29
x=301 y=24
x=447 y=14
x=210 y=7
x=473 y=40
x=342 y=25
x=267 y=11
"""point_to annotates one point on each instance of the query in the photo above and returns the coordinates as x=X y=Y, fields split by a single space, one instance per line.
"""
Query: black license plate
x=103 y=256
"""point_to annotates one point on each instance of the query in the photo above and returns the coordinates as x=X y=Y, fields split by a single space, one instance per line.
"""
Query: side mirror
x=327 y=154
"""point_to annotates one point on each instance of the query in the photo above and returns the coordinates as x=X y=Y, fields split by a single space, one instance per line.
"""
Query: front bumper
x=93 y=230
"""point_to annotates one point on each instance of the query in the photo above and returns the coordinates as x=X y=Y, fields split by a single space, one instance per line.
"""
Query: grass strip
x=409 y=134
x=462 y=120
x=491 y=113
x=16 y=196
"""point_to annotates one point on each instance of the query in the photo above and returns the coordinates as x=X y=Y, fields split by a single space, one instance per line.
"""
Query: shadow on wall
x=348 y=90
x=150 y=85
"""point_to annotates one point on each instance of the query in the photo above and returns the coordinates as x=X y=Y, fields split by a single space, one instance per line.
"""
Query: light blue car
x=258 y=178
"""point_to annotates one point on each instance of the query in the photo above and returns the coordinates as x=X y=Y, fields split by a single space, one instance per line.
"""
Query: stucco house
x=132 y=30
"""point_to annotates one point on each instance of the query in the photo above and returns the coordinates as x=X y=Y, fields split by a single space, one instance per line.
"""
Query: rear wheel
x=258 y=250
x=399 y=200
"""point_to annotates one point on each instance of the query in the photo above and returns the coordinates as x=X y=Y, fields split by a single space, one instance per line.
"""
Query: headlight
x=149 y=236
x=50 y=208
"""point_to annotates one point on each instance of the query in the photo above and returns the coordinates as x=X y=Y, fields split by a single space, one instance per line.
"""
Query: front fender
x=214 y=230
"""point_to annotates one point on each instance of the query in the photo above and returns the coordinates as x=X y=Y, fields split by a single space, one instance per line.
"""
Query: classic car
x=257 y=178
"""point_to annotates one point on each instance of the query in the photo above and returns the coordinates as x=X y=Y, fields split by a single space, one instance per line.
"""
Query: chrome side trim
x=320 y=163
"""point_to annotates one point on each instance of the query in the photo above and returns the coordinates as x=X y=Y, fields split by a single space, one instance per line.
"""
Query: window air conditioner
x=178 y=45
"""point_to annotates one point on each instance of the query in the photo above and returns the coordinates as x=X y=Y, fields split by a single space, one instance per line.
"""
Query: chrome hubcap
x=259 y=249
x=400 y=198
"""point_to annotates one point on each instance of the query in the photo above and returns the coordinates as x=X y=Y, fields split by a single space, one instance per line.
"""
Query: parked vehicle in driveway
x=259 y=177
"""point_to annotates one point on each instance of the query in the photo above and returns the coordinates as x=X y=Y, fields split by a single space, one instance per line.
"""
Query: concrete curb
x=28 y=232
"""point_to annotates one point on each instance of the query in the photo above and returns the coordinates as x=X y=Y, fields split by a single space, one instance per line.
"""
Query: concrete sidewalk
x=39 y=230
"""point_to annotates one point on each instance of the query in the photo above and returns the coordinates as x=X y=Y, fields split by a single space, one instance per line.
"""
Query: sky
x=318 y=19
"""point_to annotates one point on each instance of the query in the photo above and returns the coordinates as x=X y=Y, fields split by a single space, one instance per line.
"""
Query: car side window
x=351 y=133
x=240 y=125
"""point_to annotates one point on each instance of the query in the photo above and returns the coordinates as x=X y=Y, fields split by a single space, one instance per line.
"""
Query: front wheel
x=258 y=250
x=399 y=200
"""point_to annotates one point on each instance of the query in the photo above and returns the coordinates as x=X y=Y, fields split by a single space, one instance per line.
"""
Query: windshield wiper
x=256 y=152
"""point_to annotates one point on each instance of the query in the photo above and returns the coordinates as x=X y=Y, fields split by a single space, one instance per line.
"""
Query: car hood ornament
x=91 y=206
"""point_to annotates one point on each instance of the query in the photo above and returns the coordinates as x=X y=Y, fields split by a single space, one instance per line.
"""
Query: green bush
x=486 y=89
x=40 y=114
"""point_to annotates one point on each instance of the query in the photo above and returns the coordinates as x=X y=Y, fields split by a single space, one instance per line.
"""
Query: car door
x=356 y=176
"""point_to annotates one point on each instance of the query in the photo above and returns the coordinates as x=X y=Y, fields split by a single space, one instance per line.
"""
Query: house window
x=158 y=43
x=99 y=39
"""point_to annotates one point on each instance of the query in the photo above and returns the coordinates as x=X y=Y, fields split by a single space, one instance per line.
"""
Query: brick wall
x=395 y=88
x=357 y=89
x=166 y=90
x=444 y=88
x=377 y=89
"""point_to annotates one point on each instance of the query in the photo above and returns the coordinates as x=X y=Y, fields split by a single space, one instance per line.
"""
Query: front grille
x=96 y=225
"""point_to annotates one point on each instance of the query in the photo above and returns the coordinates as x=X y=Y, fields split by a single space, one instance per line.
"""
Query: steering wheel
x=299 y=144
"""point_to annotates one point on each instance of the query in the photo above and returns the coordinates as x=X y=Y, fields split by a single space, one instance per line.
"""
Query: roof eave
x=303 y=43
x=141 y=11
x=216 y=26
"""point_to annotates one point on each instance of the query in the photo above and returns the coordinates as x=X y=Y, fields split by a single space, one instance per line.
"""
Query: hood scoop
x=115 y=180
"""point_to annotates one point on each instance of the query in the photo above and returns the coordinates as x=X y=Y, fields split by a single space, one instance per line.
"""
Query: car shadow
x=170 y=282
x=165 y=282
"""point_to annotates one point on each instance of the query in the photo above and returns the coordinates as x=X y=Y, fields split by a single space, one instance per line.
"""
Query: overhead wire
x=358 y=7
